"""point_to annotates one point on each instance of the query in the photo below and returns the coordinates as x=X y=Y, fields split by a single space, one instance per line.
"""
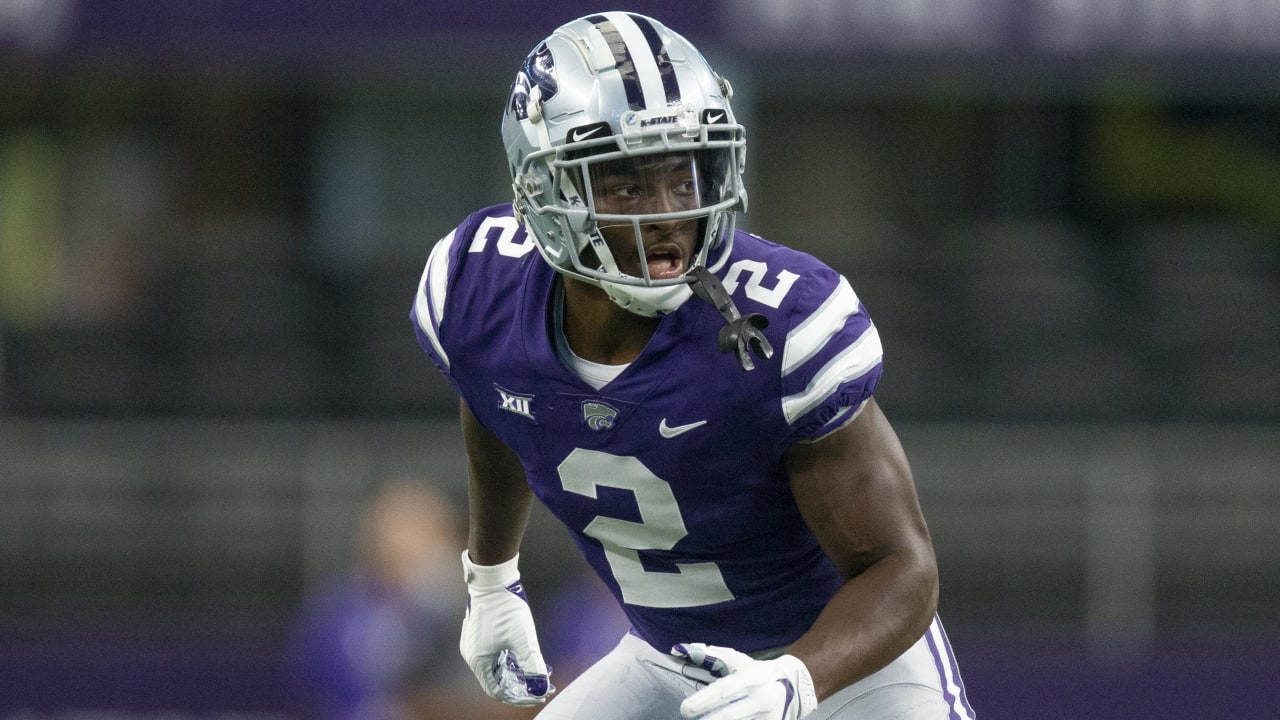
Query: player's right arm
x=498 y=641
x=499 y=497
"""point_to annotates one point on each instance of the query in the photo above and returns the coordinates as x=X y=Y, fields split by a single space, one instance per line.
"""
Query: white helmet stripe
x=667 y=73
x=648 y=77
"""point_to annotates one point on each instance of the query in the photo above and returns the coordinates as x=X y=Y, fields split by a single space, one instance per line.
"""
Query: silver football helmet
x=617 y=93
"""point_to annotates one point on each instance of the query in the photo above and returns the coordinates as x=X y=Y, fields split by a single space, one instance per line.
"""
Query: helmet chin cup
x=648 y=301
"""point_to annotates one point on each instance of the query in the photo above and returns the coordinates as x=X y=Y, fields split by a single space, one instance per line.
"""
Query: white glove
x=498 y=638
x=748 y=689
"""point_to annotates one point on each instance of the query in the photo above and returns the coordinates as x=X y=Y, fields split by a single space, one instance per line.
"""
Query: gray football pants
x=636 y=682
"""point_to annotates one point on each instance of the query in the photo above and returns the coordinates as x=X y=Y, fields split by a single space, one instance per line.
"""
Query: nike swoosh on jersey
x=668 y=431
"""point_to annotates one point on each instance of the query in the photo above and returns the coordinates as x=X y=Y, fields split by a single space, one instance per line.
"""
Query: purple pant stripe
x=940 y=664
x=944 y=660
x=955 y=667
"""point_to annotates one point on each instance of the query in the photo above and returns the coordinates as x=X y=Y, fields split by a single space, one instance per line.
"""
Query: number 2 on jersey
x=661 y=527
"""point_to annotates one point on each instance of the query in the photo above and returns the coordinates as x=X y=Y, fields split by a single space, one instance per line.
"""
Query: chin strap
x=743 y=332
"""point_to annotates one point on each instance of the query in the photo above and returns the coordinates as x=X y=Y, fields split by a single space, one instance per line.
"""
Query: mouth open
x=664 y=261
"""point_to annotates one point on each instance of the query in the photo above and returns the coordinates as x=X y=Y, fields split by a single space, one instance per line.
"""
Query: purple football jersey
x=670 y=478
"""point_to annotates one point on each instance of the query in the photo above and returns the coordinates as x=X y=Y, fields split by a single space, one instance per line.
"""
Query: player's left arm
x=855 y=489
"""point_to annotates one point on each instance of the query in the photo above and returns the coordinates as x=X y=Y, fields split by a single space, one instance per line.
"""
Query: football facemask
x=637 y=225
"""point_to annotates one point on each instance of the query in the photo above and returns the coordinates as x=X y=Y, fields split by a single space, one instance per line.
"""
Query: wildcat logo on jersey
x=514 y=403
x=598 y=415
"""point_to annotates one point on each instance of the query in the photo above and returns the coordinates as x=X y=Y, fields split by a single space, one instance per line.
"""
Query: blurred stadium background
x=1064 y=215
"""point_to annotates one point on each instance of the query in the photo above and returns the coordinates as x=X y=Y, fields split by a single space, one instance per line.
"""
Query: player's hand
x=498 y=638
x=748 y=689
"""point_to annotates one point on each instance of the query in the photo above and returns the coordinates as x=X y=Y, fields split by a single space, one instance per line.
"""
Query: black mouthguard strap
x=742 y=333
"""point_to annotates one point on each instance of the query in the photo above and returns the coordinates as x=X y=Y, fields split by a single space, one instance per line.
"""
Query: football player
x=693 y=402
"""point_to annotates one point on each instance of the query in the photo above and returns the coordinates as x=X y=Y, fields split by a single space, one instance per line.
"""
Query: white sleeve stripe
x=438 y=276
x=429 y=303
x=854 y=362
x=423 y=311
x=809 y=337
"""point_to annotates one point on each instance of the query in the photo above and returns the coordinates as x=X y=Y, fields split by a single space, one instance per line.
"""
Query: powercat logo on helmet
x=539 y=70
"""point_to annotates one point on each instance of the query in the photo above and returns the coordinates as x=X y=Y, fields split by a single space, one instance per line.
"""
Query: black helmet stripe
x=626 y=63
